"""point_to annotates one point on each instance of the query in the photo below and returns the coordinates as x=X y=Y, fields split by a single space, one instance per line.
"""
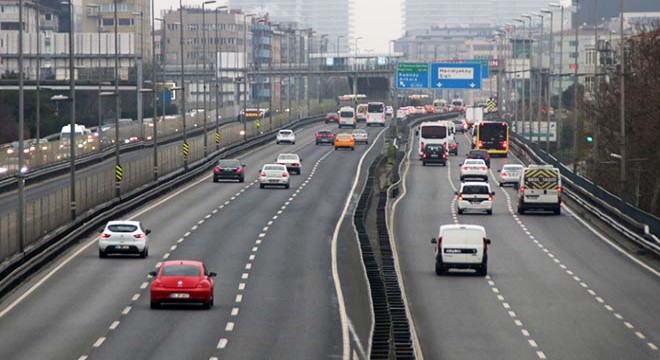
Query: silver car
x=292 y=162
x=285 y=136
x=510 y=174
x=361 y=136
x=274 y=175
x=124 y=237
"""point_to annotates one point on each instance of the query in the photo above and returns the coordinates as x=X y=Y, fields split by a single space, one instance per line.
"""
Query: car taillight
x=485 y=244
x=465 y=168
x=296 y=164
x=559 y=189
x=327 y=117
x=460 y=197
x=263 y=173
x=318 y=135
x=504 y=145
x=490 y=197
x=522 y=189
x=139 y=236
x=217 y=170
x=444 y=156
x=105 y=236
x=485 y=168
x=423 y=146
x=424 y=156
x=156 y=283
x=440 y=244
x=503 y=173
x=204 y=284
x=480 y=144
x=285 y=174
x=239 y=170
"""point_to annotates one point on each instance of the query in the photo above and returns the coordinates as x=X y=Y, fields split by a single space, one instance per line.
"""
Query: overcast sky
x=377 y=27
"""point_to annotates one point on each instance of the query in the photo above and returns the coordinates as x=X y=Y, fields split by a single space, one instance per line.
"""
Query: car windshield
x=359 y=132
x=376 y=108
x=475 y=189
x=287 y=157
x=273 y=168
x=434 y=132
x=344 y=136
x=479 y=154
x=285 y=132
x=122 y=228
x=474 y=162
x=332 y=114
x=512 y=167
x=228 y=163
x=346 y=114
x=434 y=147
x=180 y=270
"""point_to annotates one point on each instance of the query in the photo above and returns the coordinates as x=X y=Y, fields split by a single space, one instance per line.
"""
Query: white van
x=81 y=133
x=461 y=247
x=431 y=132
x=376 y=114
x=540 y=189
x=347 y=117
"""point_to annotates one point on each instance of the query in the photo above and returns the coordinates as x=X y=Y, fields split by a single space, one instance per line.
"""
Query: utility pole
x=522 y=92
x=117 y=104
x=204 y=39
x=622 y=79
x=575 y=101
x=594 y=92
x=560 y=75
x=154 y=84
x=183 y=85
x=548 y=93
x=539 y=88
x=21 y=124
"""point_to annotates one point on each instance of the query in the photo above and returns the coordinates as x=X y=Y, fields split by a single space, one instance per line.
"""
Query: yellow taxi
x=344 y=140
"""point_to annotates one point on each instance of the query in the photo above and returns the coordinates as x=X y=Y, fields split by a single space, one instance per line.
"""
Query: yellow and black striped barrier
x=119 y=173
x=185 y=148
x=541 y=179
x=218 y=137
x=491 y=105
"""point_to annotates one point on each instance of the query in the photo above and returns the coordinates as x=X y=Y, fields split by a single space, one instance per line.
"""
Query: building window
x=48 y=17
x=9 y=26
x=572 y=55
x=125 y=22
x=108 y=22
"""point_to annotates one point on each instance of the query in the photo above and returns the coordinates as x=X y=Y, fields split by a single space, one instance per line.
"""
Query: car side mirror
x=499 y=170
x=488 y=241
x=434 y=241
x=212 y=274
x=493 y=193
x=153 y=273
x=455 y=192
x=243 y=165
x=416 y=132
x=147 y=232
x=301 y=160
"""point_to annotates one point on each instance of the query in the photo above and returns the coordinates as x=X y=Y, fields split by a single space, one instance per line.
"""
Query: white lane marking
x=275 y=217
x=227 y=202
x=600 y=299
x=618 y=316
x=239 y=298
x=186 y=234
x=518 y=322
x=609 y=308
x=173 y=247
x=262 y=235
x=193 y=228
x=270 y=223
x=165 y=256
x=500 y=297
x=248 y=266
x=541 y=355
x=245 y=276
x=525 y=332
x=114 y=325
x=254 y=249
x=99 y=342
x=222 y=343
x=83 y=357
x=208 y=216
x=241 y=286
x=512 y=314
x=628 y=325
x=135 y=297
x=258 y=242
x=144 y=285
x=180 y=241
x=126 y=310
x=335 y=269
x=215 y=211
x=229 y=326
x=496 y=290
x=640 y=335
x=252 y=256
x=234 y=311
x=265 y=228
x=279 y=212
x=201 y=222
x=506 y=305
x=532 y=343
x=652 y=346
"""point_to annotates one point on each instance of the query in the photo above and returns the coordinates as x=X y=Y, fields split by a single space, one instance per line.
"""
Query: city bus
x=421 y=101
x=350 y=100
x=432 y=132
x=492 y=136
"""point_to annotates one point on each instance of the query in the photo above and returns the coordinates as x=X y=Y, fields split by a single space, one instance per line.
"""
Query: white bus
x=435 y=132
x=375 y=114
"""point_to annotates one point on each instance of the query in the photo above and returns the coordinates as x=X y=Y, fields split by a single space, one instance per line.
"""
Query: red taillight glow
x=263 y=173
x=285 y=174
x=480 y=144
x=440 y=244
x=318 y=135
x=522 y=189
x=423 y=146
x=423 y=156
x=485 y=244
x=105 y=236
x=139 y=236
x=217 y=170
x=296 y=164
x=204 y=284
x=465 y=168
x=485 y=168
x=559 y=189
x=239 y=170
x=504 y=144
x=444 y=156
x=503 y=173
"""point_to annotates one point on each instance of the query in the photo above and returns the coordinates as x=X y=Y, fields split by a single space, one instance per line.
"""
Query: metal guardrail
x=19 y=267
x=636 y=225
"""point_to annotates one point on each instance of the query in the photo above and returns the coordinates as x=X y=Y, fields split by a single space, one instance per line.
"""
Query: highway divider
x=633 y=223
x=20 y=266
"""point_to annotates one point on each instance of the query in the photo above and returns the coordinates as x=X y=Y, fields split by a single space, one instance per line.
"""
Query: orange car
x=344 y=141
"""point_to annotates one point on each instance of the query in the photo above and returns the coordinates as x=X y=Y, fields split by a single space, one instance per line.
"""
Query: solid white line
x=222 y=343
x=335 y=269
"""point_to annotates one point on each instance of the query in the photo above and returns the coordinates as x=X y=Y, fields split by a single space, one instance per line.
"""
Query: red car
x=334 y=117
x=182 y=281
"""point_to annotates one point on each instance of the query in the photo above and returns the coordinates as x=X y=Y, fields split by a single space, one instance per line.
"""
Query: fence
x=47 y=213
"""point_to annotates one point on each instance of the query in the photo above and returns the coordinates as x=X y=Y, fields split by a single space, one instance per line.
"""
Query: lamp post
x=522 y=92
x=550 y=78
x=594 y=90
x=218 y=57
x=21 y=135
x=154 y=83
x=117 y=104
x=561 y=70
x=575 y=100
x=622 y=108
x=139 y=65
x=512 y=79
x=539 y=87
x=531 y=74
x=183 y=85
x=38 y=100
x=245 y=74
x=355 y=83
x=321 y=64
x=99 y=106
x=204 y=38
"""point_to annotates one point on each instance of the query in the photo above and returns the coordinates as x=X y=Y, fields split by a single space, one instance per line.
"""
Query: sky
x=377 y=27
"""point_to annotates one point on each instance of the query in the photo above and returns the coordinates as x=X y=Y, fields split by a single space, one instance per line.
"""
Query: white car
x=361 y=136
x=347 y=117
x=285 y=136
x=389 y=111
x=474 y=168
x=510 y=174
x=475 y=196
x=124 y=237
x=461 y=247
x=291 y=161
x=274 y=174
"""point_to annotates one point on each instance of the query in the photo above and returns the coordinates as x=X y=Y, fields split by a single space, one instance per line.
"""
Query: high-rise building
x=424 y=14
x=332 y=18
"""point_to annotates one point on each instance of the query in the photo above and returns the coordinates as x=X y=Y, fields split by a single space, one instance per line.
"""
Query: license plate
x=123 y=247
x=179 y=296
x=434 y=155
x=453 y=251
x=531 y=196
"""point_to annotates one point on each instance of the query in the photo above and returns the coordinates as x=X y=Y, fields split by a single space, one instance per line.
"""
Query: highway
x=275 y=296
x=555 y=288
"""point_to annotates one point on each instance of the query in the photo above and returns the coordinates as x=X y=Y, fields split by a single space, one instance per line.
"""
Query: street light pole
x=550 y=78
x=72 y=122
x=575 y=100
x=622 y=109
x=139 y=65
x=522 y=92
x=117 y=104
x=539 y=88
x=154 y=84
x=355 y=83
x=183 y=85
x=218 y=59
x=38 y=100
x=204 y=39
x=245 y=74
x=560 y=98
x=21 y=135
x=531 y=72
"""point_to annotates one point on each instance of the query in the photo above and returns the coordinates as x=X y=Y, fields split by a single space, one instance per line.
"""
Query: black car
x=480 y=154
x=434 y=154
x=325 y=137
x=231 y=169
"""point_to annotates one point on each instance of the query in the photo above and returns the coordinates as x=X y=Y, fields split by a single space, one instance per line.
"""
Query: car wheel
x=335 y=148
x=489 y=212
x=155 y=305
x=144 y=253
x=423 y=163
x=500 y=184
x=102 y=254
x=557 y=211
x=277 y=142
x=460 y=211
x=215 y=180
x=439 y=268
x=352 y=149
x=461 y=179
x=293 y=143
x=261 y=186
x=521 y=210
x=242 y=179
x=287 y=186
x=366 y=142
x=483 y=270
